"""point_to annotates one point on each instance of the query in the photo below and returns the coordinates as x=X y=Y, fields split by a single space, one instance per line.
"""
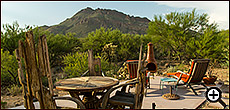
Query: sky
x=50 y=13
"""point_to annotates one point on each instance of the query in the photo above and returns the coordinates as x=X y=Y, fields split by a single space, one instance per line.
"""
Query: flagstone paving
x=187 y=99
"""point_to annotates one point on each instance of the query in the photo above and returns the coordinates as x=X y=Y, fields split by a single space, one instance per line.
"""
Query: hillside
x=88 y=20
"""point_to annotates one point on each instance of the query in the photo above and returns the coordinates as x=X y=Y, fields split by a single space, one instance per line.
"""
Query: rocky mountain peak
x=88 y=20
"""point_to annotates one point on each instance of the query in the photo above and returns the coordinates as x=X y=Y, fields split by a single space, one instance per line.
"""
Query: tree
x=60 y=45
x=225 y=54
x=98 y=39
x=186 y=35
x=128 y=46
x=9 y=38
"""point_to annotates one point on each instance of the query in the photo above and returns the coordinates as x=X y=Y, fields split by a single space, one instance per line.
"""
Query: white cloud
x=218 y=11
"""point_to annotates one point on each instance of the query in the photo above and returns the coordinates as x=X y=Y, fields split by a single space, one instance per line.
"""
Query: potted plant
x=210 y=79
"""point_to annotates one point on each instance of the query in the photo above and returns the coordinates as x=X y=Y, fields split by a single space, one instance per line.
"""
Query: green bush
x=60 y=45
x=171 y=69
x=77 y=64
x=9 y=68
x=127 y=45
x=11 y=35
x=15 y=90
x=3 y=104
x=181 y=67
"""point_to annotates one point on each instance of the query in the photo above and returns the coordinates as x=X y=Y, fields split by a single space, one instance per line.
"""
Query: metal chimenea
x=151 y=61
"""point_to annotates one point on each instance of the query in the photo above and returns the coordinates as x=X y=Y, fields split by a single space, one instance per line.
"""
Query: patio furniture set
x=96 y=88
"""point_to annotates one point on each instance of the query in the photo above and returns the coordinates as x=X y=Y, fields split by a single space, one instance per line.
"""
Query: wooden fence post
x=36 y=66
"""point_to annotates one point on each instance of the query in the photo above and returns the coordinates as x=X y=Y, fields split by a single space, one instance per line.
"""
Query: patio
x=187 y=98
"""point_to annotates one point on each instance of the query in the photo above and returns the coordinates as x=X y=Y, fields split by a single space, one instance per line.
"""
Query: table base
x=169 y=96
x=89 y=99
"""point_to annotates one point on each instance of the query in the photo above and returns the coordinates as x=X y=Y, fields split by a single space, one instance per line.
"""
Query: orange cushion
x=184 y=77
x=168 y=74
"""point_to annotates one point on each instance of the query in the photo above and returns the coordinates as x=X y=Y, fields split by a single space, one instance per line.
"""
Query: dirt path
x=13 y=101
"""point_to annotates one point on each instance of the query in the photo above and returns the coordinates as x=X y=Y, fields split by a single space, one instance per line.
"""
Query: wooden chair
x=132 y=66
x=37 y=67
x=122 y=98
x=92 y=62
x=194 y=76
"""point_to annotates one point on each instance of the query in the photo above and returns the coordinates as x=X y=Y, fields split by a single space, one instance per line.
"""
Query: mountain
x=88 y=20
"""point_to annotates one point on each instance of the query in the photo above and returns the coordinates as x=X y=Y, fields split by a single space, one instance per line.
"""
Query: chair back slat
x=132 y=68
x=92 y=62
x=198 y=71
x=135 y=67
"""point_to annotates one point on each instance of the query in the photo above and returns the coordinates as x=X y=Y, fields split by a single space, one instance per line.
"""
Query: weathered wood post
x=139 y=90
x=22 y=78
x=36 y=66
x=92 y=62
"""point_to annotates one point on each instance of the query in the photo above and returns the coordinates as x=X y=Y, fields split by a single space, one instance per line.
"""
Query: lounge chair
x=194 y=76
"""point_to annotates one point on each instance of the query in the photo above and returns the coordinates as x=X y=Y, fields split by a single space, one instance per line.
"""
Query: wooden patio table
x=87 y=86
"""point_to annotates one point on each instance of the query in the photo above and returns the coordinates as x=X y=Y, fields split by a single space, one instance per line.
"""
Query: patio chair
x=194 y=76
x=132 y=66
x=123 y=98
x=92 y=62
x=37 y=70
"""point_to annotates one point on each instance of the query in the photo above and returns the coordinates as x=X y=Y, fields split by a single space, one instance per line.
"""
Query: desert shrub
x=15 y=90
x=97 y=39
x=125 y=46
x=105 y=65
x=181 y=67
x=11 y=35
x=171 y=69
x=3 y=104
x=123 y=72
x=9 y=68
x=60 y=45
x=77 y=64
x=113 y=72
